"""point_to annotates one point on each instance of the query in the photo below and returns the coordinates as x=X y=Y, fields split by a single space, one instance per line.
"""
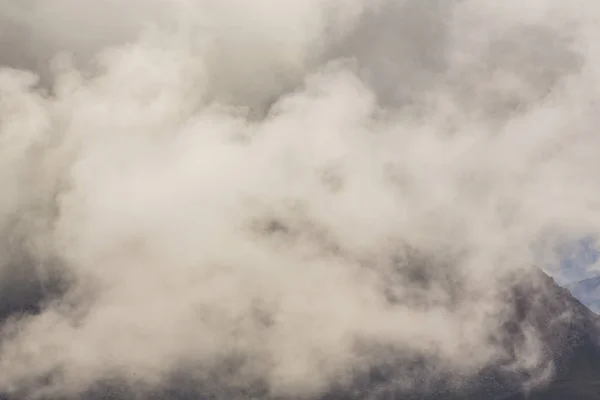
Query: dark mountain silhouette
x=568 y=329
x=571 y=343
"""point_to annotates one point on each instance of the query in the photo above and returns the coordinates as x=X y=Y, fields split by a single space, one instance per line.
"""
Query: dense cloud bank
x=283 y=195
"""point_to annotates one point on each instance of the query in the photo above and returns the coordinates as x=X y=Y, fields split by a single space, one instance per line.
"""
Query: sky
x=573 y=261
x=581 y=262
x=286 y=194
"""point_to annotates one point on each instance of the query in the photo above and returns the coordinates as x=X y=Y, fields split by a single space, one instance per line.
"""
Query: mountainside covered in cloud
x=300 y=200
x=567 y=351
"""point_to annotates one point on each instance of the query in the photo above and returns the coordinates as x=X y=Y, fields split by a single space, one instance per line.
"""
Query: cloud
x=285 y=194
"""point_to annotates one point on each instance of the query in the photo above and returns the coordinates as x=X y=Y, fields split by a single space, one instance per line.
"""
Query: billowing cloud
x=281 y=194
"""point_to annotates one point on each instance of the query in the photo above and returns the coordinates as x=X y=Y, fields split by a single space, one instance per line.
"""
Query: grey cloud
x=258 y=195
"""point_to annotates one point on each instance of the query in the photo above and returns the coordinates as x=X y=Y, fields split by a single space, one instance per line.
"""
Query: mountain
x=570 y=343
x=574 y=343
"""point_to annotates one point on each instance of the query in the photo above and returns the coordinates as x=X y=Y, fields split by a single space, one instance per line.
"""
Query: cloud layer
x=285 y=194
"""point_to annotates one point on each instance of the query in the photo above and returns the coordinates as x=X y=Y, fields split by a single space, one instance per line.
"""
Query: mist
x=285 y=195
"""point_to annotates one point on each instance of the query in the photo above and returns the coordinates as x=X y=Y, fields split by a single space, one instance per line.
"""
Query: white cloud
x=260 y=179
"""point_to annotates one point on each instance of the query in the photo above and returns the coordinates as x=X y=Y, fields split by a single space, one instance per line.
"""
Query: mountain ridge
x=568 y=332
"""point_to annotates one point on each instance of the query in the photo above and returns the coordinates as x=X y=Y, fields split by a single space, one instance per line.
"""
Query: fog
x=285 y=194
